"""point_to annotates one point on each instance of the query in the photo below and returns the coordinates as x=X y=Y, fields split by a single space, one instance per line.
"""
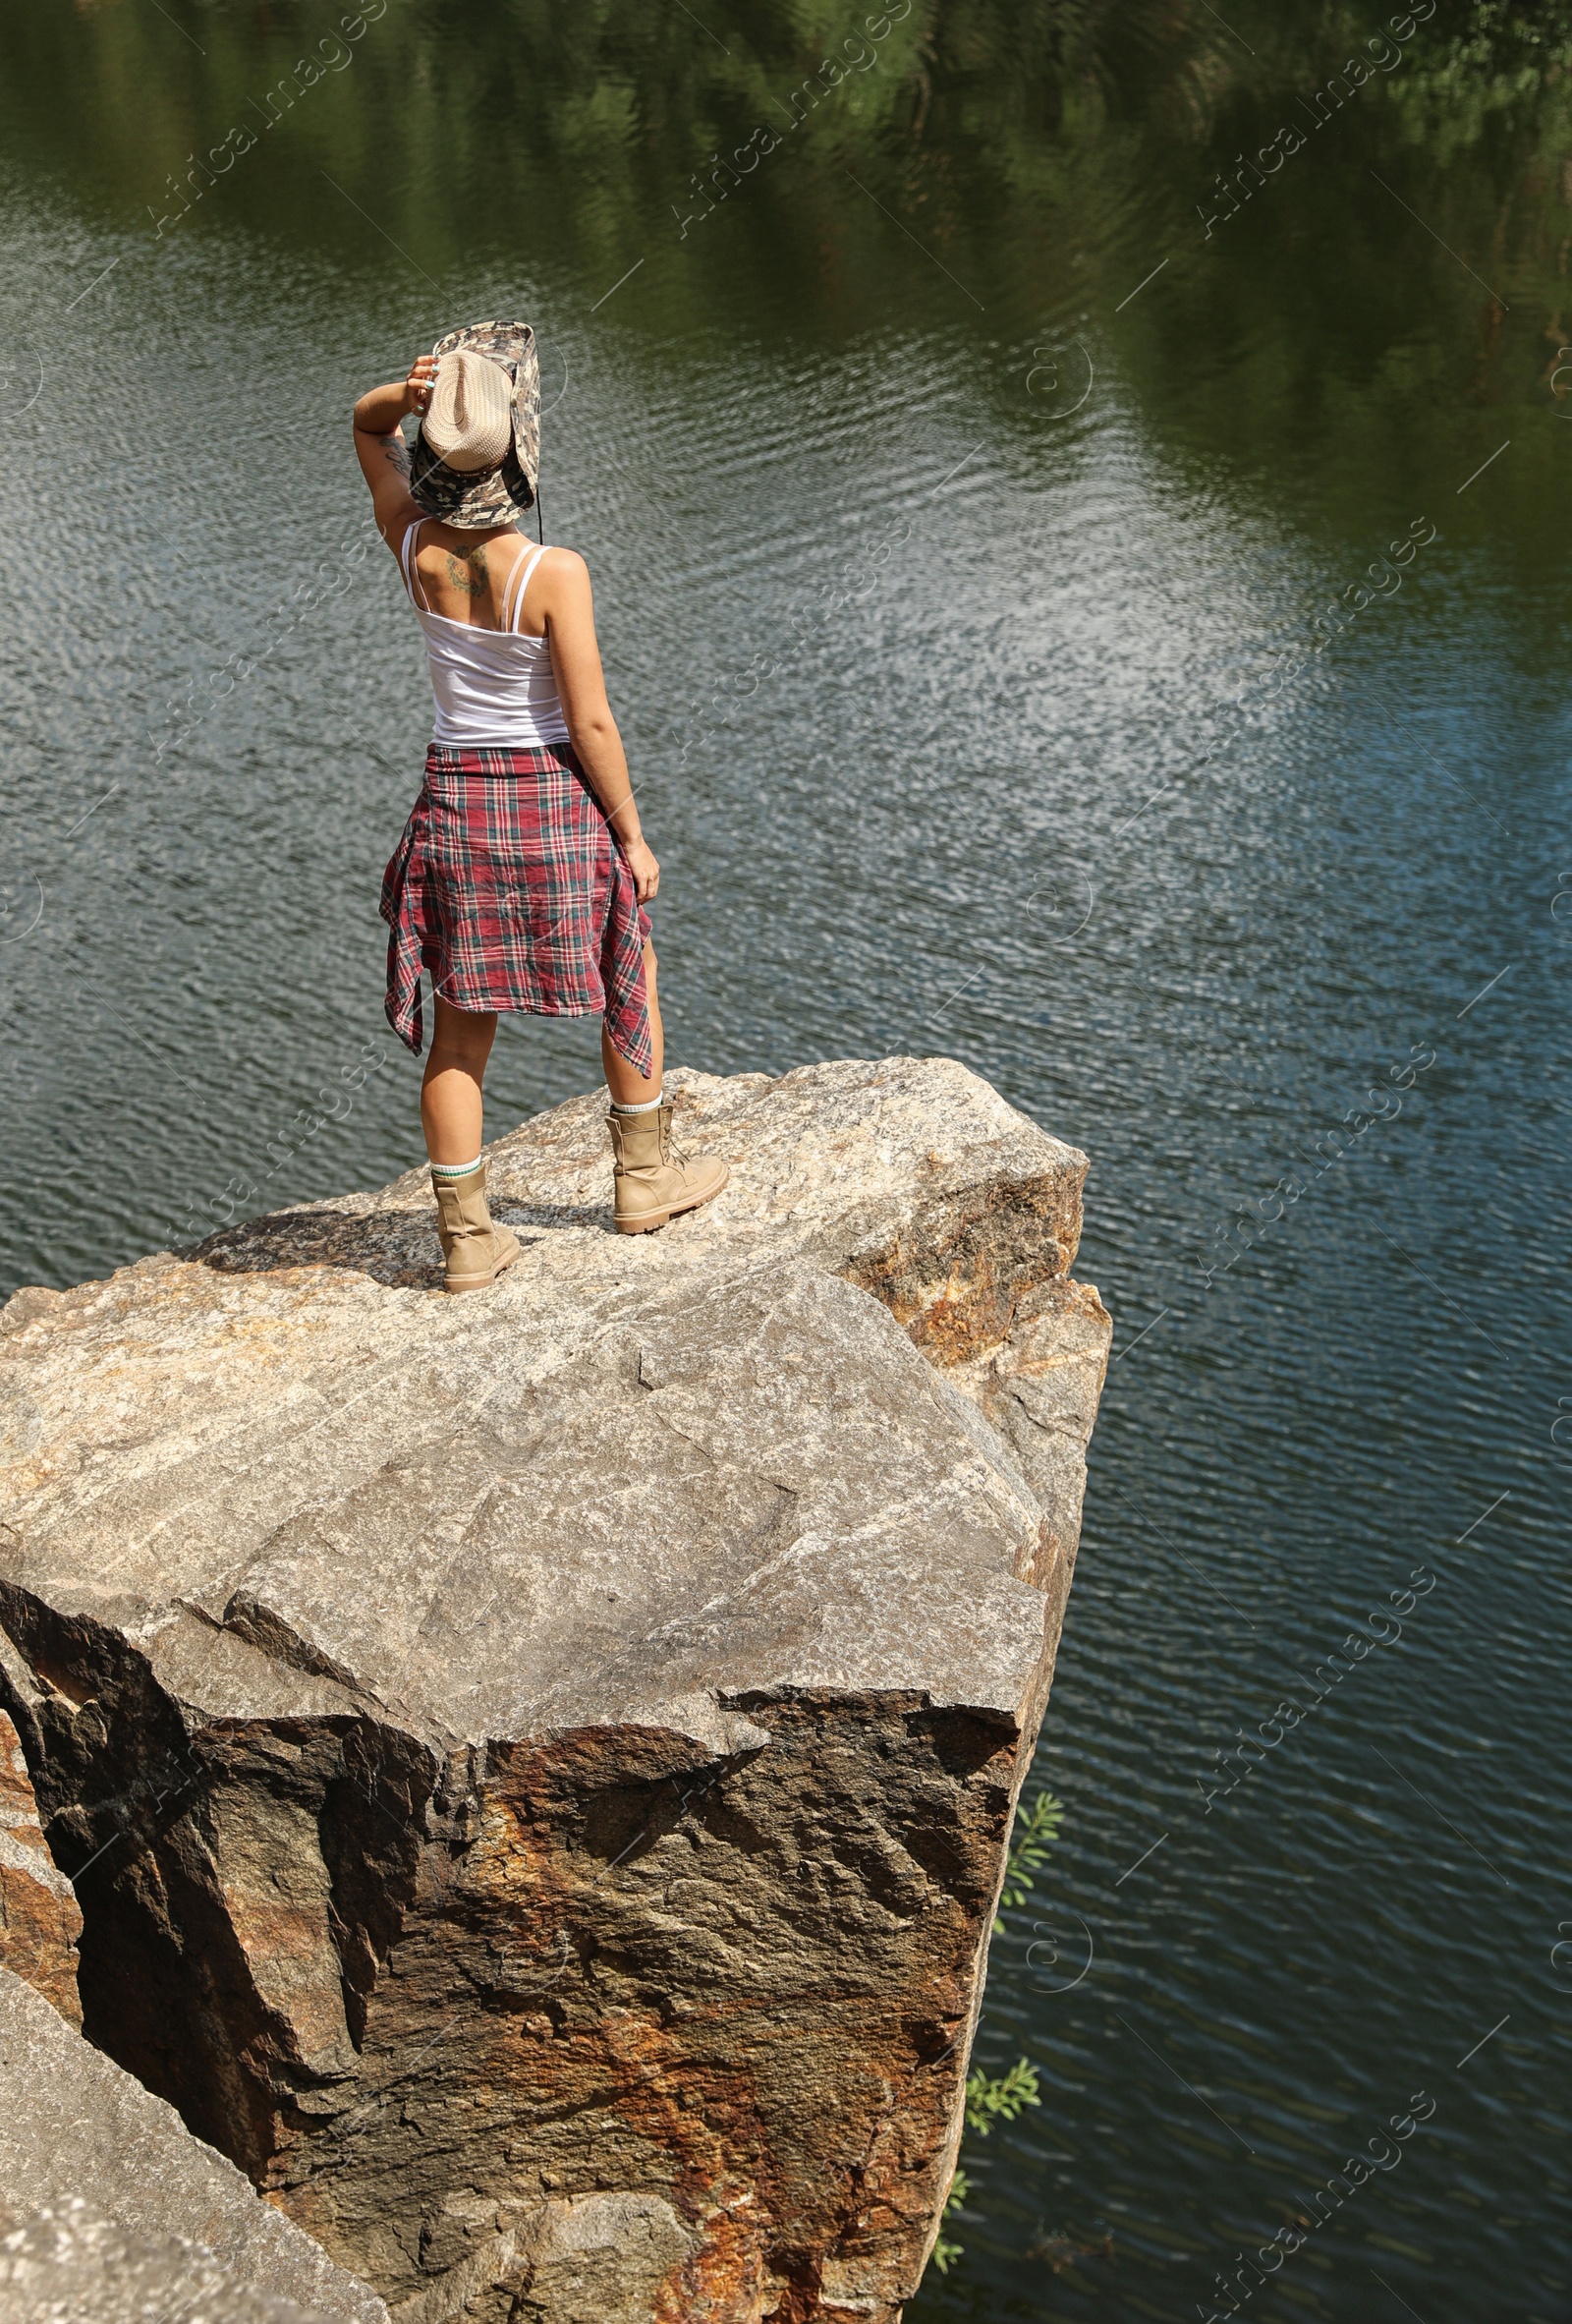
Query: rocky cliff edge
x=536 y=1767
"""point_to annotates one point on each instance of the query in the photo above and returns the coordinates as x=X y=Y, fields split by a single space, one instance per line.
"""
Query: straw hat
x=476 y=460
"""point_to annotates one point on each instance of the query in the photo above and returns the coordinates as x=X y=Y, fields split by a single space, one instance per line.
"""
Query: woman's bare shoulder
x=564 y=563
x=564 y=580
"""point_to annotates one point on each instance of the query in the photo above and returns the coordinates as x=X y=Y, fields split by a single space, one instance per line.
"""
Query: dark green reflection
x=1361 y=223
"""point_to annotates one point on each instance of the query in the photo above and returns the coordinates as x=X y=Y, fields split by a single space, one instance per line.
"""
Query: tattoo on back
x=467 y=575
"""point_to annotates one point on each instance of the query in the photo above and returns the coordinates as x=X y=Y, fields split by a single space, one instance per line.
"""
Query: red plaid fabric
x=510 y=888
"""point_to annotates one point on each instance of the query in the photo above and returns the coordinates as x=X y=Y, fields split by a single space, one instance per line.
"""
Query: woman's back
x=490 y=655
x=475 y=581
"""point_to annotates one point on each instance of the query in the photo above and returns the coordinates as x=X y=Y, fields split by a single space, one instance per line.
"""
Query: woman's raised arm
x=380 y=448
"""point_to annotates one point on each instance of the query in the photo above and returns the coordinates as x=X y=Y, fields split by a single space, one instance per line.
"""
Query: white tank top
x=495 y=689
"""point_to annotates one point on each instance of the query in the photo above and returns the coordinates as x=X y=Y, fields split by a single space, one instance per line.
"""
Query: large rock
x=557 y=1746
x=70 y=2265
x=109 y=2207
x=39 y=1923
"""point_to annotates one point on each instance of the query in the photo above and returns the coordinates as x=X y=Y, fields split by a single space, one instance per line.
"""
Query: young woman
x=522 y=876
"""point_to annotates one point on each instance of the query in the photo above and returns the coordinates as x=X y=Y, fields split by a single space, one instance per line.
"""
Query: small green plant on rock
x=1034 y=1836
x=989 y=2099
x=993 y=2098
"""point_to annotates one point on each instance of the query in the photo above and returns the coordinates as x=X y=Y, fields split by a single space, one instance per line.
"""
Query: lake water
x=1060 y=616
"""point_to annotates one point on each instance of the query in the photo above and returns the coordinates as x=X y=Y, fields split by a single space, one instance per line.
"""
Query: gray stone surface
x=70 y=2265
x=113 y=2207
x=552 y=1751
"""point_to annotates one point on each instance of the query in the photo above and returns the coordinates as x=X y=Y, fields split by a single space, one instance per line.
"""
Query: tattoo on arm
x=396 y=453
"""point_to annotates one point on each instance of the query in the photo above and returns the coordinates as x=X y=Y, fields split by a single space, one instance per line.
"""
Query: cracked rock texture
x=557 y=1746
x=39 y=1923
x=110 y=2208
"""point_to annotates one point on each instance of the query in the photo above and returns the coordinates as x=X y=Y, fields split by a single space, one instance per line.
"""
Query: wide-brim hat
x=471 y=417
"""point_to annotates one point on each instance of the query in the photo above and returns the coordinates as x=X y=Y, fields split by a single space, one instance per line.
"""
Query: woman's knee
x=461 y=1038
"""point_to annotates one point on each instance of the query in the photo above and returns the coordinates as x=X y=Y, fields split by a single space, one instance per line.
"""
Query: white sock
x=648 y=1107
x=456 y=1169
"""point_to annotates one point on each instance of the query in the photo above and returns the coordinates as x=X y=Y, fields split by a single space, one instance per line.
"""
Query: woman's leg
x=627 y=1087
x=450 y=1094
x=476 y=1251
x=651 y=1180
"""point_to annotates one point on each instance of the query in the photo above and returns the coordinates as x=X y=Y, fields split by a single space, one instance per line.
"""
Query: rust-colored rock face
x=39 y=1923
x=559 y=1745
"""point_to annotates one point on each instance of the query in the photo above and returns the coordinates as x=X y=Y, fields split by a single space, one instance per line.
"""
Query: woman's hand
x=644 y=869
x=417 y=386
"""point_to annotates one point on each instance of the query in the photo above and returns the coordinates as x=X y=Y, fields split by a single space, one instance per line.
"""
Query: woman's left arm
x=380 y=448
x=570 y=616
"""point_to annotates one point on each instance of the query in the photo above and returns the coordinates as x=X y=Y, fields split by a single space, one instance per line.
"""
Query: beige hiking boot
x=652 y=1180
x=477 y=1251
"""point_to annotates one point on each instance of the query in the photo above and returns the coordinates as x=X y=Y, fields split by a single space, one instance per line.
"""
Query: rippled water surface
x=1059 y=619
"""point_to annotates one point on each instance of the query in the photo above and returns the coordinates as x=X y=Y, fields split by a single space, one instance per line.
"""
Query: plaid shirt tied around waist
x=510 y=888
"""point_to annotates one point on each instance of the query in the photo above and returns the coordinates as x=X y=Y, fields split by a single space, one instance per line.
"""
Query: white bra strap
x=521 y=573
x=406 y=560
